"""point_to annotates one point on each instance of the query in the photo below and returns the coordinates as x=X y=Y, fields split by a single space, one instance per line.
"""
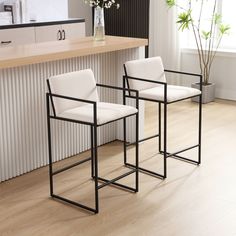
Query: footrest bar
x=146 y=171
x=185 y=159
x=117 y=184
x=74 y=203
x=71 y=166
x=115 y=179
x=183 y=150
x=145 y=139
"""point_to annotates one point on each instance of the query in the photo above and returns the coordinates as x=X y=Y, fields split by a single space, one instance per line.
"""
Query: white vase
x=99 y=24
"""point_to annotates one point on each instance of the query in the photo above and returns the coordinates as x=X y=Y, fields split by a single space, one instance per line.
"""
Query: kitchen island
x=23 y=73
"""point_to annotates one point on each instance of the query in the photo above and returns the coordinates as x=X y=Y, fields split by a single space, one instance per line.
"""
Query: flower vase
x=99 y=24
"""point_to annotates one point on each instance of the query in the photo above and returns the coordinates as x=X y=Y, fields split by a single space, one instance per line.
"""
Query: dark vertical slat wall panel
x=131 y=19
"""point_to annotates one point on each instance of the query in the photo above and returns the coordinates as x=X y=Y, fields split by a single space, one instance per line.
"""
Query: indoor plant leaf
x=170 y=3
x=206 y=35
x=184 y=19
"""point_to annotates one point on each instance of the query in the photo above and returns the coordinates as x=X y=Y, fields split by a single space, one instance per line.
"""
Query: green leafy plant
x=207 y=40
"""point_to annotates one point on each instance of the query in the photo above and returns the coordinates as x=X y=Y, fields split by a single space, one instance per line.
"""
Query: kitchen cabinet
x=11 y=37
x=76 y=30
x=47 y=33
x=36 y=32
x=59 y=32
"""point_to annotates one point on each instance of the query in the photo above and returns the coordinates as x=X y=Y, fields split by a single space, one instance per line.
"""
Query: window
x=228 y=15
x=227 y=10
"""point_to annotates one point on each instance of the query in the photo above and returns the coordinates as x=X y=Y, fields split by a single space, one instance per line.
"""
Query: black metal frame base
x=94 y=151
x=169 y=155
x=146 y=171
x=178 y=157
x=164 y=152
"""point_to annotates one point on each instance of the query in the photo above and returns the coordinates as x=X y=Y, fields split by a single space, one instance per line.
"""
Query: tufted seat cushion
x=106 y=112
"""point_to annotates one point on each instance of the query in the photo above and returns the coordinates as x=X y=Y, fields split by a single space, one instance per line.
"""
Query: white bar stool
x=148 y=77
x=74 y=98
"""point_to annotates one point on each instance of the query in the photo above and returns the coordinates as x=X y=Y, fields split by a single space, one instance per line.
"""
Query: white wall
x=223 y=72
x=46 y=9
x=1 y=5
x=77 y=8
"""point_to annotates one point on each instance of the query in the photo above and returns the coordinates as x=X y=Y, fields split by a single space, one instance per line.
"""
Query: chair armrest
x=51 y=95
x=124 y=90
x=70 y=98
x=149 y=81
x=183 y=73
x=144 y=80
x=186 y=73
x=118 y=88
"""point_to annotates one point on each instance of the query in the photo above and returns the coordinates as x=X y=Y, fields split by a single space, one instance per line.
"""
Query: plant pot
x=208 y=93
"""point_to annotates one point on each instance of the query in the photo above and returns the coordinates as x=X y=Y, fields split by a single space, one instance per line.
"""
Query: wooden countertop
x=57 y=50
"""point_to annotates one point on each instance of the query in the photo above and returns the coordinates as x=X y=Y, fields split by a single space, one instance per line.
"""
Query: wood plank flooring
x=192 y=201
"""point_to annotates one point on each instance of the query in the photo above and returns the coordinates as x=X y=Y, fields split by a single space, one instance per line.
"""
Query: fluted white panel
x=23 y=128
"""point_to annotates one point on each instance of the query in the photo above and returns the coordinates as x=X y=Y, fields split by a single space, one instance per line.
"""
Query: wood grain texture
x=192 y=201
x=57 y=50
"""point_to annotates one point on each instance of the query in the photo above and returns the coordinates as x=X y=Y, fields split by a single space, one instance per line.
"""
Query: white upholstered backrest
x=148 y=68
x=79 y=84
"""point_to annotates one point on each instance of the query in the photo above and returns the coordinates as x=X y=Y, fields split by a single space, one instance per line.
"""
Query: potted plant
x=207 y=39
x=99 y=23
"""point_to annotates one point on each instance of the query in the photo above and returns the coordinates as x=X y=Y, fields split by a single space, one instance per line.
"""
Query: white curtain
x=163 y=35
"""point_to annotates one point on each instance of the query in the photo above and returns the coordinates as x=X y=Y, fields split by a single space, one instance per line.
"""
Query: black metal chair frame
x=94 y=146
x=164 y=152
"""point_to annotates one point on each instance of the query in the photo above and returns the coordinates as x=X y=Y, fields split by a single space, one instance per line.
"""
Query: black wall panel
x=131 y=19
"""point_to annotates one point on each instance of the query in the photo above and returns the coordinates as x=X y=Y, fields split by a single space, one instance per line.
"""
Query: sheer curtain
x=163 y=36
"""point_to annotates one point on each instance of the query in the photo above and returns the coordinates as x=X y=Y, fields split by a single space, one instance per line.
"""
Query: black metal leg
x=125 y=145
x=159 y=125
x=137 y=154
x=96 y=169
x=200 y=130
x=143 y=170
x=92 y=155
x=94 y=162
x=165 y=139
x=176 y=154
x=49 y=148
x=124 y=127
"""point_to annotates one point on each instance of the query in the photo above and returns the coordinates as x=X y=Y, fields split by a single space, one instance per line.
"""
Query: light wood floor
x=192 y=201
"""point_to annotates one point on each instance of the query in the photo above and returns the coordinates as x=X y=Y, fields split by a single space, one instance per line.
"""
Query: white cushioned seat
x=174 y=93
x=152 y=69
x=147 y=75
x=81 y=84
x=106 y=112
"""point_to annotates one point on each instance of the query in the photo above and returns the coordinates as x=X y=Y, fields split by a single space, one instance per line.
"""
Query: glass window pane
x=228 y=16
x=187 y=37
